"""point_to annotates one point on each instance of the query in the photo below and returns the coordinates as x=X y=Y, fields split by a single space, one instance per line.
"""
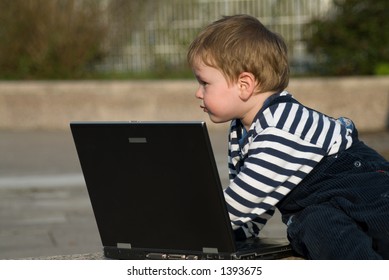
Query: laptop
x=156 y=193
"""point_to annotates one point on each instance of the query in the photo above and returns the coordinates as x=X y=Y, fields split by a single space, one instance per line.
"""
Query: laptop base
x=271 y=248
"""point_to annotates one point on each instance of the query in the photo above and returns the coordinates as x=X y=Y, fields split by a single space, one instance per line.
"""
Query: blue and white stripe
x=284 y=144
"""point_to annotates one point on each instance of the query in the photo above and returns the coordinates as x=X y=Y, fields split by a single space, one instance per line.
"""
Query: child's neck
x=255 y=104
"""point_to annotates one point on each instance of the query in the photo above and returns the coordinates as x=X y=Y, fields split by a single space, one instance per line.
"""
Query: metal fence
x=156 y=34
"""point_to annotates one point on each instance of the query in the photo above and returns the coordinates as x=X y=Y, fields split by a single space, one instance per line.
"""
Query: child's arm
x=277 y=161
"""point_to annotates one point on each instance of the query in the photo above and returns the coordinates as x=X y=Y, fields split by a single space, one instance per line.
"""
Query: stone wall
x=52 y=105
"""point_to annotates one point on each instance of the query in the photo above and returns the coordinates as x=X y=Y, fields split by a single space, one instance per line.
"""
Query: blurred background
x=66 y=60
x=76 y=39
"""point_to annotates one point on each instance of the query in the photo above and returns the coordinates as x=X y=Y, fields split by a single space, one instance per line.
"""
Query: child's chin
x=217 y=120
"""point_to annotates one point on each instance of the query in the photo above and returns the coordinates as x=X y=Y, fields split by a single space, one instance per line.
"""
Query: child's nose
x=199 y=93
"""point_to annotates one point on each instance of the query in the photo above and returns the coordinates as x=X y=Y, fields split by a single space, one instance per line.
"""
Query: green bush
x=352 y=40
x=382 y=69
x=49 y=39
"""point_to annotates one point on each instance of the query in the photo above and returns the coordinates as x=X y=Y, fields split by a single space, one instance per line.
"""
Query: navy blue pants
x=341 y=209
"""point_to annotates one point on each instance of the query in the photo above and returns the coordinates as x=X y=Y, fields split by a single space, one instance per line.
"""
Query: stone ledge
x=88 y=256
x=52 y=105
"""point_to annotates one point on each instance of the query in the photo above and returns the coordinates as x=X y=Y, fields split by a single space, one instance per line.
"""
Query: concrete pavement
x=44 y=205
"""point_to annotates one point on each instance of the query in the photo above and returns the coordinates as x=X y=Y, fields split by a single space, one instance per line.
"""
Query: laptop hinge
x=207 y=250
x=123 y=245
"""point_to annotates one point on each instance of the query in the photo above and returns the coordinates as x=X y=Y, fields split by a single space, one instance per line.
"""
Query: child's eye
x=201 y=82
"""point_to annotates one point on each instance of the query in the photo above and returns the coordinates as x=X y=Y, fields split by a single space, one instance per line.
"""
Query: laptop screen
x=154 y=185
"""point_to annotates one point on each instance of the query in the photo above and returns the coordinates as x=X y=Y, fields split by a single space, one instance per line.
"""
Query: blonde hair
x=241 y=43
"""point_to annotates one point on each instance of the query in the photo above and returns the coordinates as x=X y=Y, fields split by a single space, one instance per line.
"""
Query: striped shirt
x=284 y=143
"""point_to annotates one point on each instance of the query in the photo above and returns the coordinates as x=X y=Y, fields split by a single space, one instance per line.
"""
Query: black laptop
x=156 y=193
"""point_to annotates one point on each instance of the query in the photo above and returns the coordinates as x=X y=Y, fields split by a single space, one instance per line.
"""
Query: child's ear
x=247 y=84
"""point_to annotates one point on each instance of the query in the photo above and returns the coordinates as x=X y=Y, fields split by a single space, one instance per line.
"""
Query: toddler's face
x=219 y=98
